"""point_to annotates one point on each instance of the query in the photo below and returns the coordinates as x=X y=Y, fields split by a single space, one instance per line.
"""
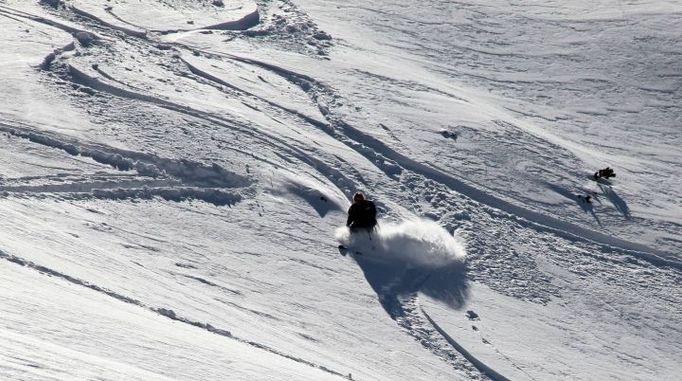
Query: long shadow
x=391 y=281
x=585 y=206
x=447 y=284
x=616 y=200
x=320 y=202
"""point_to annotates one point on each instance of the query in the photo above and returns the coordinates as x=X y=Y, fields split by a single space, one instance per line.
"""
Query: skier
x=362 y=215
x=606 y=173
x=586 y=199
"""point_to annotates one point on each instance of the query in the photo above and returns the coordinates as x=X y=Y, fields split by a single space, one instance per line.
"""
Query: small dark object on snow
x=587 y=199
x=449 y=134
x=605 y=173
x=322 y=36
x=85 y=38
x=218 y=3
x=472 y=315
x=362 y=214
x=52 y=3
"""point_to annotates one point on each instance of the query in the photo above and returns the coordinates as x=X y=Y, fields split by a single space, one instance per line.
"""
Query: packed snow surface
x=173 y=175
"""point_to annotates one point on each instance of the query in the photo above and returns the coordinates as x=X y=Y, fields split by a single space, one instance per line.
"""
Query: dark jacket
x=362 y=215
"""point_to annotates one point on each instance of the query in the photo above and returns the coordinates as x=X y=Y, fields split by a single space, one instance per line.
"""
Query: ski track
x=333 y=175
x=387 y=159
x=25 y=15
x=491 y=373
x=179 y=180
x=80 y=77
x=117 y=17
x=168 y=313
x=392 y=163
x=245 y=22
x=128 y=31
x=409 y=316
x=210 y=183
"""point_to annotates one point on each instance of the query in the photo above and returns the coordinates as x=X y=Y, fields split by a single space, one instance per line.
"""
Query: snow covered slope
x=173 y=175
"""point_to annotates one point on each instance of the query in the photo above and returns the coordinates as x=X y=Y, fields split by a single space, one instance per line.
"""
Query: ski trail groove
x=335 y=176
x=172 y=180
x=373 y=149
x=405 y=311
x=128 y=31
x=119 y=18
x=385 y=164
x=245 y=22
x=393 y=162
x=39 y=19
x=488 y=371
x=534 y=219
x=168 y=313
x=210 y=77
x=189 y=172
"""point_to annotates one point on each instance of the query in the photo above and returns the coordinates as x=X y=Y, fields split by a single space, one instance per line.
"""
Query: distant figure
x=362 y=214
x=605 y=173
x=586 y=199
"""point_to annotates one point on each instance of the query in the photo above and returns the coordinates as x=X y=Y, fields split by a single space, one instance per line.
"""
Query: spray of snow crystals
x=417 y=242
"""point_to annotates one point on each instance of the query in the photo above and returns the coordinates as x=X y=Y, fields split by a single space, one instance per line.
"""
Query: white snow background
x=174 y=178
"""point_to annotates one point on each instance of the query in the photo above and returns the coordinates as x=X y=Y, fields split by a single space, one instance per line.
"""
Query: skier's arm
x=350 y=219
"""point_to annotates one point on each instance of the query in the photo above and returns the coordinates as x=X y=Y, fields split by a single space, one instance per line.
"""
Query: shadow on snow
x=392 y=281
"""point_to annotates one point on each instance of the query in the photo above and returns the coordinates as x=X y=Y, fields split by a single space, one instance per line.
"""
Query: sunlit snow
x=175 y=175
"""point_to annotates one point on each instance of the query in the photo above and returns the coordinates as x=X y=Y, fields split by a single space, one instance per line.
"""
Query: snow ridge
x=393 y=163
x=477 y=363
x=531 y=218
x=164 y=177
x=281 y=124
x=128 y=31
x=169 y=313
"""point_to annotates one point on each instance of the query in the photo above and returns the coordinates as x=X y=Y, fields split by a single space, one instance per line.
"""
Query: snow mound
x=133 y=17
x=416 y=242
x=322 y=198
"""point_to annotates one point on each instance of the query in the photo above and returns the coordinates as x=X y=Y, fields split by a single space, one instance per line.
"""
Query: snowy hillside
x=175 y=175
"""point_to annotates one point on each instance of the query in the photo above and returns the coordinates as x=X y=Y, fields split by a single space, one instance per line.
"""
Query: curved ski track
x=379 y=153
x=413 y=319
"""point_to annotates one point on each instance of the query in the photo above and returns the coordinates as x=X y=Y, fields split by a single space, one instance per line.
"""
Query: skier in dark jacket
x=605 y=173
x=362 y=214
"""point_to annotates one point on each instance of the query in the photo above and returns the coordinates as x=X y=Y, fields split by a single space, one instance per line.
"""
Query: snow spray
x=416 y=242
